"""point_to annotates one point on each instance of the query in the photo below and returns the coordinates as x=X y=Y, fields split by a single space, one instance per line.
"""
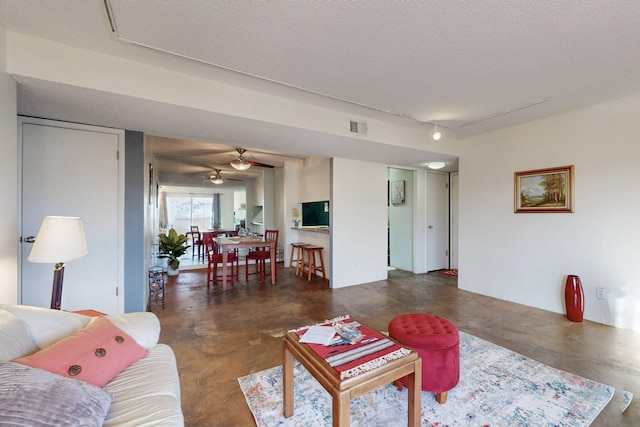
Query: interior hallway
x=219 y=336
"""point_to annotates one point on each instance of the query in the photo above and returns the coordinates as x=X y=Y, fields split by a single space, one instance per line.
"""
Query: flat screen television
x=315 y=214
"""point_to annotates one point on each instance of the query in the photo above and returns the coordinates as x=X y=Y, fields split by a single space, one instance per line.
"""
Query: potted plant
x=295 y=214
x=172 y=246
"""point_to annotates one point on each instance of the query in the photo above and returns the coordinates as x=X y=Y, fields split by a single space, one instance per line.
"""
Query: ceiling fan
x=217 y=178
x=242 y=164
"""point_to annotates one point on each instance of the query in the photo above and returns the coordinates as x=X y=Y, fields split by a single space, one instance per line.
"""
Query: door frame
x=120 y=273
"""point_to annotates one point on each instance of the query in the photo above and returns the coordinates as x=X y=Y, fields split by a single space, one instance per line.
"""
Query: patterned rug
x=449 y=272
x=497 y=387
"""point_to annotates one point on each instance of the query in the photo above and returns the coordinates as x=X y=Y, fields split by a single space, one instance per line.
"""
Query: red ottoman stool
x=437 y=341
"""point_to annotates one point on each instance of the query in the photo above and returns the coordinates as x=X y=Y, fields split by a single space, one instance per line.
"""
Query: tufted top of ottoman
x=420 y=330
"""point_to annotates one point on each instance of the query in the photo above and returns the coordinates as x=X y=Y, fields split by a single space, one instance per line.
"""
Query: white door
x=453 y=224
x=437 y=221
x=73 y=172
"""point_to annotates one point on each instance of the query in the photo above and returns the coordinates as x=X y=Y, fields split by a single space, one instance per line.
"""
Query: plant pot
x=172 y=272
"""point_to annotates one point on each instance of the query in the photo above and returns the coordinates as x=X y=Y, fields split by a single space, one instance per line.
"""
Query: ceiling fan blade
x=261 y=165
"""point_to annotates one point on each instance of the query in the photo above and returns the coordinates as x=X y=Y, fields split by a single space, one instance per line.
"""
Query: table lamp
x=60 y=239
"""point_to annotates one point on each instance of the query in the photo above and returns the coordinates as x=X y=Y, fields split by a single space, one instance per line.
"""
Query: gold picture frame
x=544 y=190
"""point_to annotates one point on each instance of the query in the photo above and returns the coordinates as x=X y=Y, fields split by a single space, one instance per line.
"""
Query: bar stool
x=297 y=249
x=309 y=261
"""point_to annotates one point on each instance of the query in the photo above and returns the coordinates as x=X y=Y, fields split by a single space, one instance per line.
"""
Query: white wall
x=525 y=258
x=8 y=182
x=41 y=59
x=314 y=180
x=289 y=195
x=240 y=204
x=255 y=201
x=151 y=235
x=269 y=199
x=358 y=222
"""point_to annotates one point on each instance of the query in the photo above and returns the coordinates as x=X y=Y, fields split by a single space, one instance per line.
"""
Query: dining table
x=228 y=243
x=218 y=231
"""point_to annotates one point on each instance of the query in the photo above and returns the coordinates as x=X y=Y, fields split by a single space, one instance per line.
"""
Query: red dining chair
x=260 y=256
x=214 y=257
x=196 y=241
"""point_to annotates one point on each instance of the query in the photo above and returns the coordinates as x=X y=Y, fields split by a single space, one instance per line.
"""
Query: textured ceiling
x=451 y=63
x=470 y=67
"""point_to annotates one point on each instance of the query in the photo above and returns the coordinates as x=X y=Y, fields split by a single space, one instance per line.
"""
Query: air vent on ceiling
x=358 y=127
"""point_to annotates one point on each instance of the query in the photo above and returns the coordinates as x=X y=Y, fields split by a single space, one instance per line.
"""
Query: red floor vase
x=574 y=298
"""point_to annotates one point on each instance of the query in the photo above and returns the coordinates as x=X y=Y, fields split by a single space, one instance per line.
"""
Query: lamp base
x=56 y=291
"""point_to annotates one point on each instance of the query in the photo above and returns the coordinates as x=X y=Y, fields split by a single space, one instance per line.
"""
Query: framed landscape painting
x=544 y=190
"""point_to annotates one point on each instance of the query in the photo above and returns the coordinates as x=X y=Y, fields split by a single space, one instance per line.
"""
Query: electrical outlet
x=601 y=293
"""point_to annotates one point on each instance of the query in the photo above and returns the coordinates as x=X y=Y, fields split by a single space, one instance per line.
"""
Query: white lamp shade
x=60 y=239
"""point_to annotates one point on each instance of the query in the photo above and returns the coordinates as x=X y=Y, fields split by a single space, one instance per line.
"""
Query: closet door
x=453 y=222
x=73 y=170
x=438 y=221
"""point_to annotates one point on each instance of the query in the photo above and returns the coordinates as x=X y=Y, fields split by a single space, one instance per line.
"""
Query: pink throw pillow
x=94 y=354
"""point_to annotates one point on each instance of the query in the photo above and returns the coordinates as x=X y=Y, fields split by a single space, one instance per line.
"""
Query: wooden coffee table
x=343 y=390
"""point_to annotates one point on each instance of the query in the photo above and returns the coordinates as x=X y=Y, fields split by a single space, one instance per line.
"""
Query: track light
x=436 y=135
x=240 y=163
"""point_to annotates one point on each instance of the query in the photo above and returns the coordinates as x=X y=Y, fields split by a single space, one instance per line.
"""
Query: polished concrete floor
x=219 y=336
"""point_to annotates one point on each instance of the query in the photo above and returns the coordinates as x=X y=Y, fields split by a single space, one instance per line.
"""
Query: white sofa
x=147 y=393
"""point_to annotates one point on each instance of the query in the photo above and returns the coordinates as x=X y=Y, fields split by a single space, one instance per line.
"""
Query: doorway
x=400 y=219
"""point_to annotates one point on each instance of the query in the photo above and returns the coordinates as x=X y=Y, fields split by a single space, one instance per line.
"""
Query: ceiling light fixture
x=217 y=179
x=240 y=163
x=436 y=165
x=436 y=135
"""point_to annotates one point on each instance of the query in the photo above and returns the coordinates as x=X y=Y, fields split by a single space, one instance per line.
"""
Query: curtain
x=163 y=220
x=215 y=211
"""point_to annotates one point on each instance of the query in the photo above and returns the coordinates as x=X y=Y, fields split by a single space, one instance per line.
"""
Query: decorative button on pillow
x=94 y=354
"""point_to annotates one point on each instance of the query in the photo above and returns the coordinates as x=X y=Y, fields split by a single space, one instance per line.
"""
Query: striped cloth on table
x=374 y=350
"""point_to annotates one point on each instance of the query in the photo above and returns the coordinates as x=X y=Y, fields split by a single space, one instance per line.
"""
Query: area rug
x=449 y=272
x=497 y=387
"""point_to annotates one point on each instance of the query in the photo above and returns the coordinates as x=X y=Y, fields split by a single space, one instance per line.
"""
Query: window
x=185 y=210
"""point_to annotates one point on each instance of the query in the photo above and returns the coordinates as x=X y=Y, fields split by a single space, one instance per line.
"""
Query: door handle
x=431 y=226
x=29 y=239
